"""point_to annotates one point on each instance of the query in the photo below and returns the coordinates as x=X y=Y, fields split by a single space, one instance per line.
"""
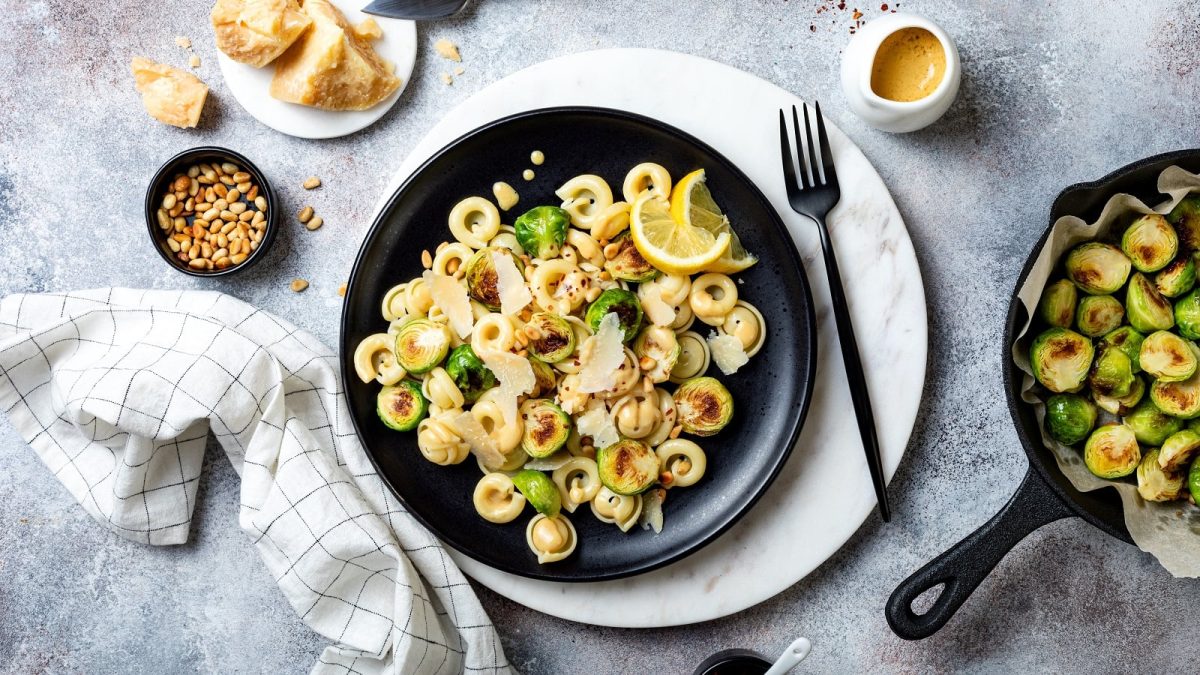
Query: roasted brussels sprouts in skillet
x=554 y=339
x=1121 y=405
x=1178 y=399
x=421 y=345
x=1147 y=310
x=1168 y=357
x=402 y=406
x=621 y=302
x=1155 y=484
x=1111 y=373
x=1112 y=451
x=704 y=406
x=1099 y=314
x=1069 y=418
x=1177 y=278
x=1150 y=425
x=546 y=427
x=1060 y=359
x=1150 y=242
x=1128 y=340
x=628 y=263
x=542 y=230
x=1187 y=315
x=1186 y=219
x=1179 y=450
x=627 y=467
x=541 y=492
x=1057 y=306
x=546 y=380
x=469 y=373
x=1097 y=269
x=480 y=273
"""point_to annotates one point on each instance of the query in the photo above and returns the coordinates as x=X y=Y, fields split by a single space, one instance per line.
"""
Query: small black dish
x=180 y=164
x=733 y=662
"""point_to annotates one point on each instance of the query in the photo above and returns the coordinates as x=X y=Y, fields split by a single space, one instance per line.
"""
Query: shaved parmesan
x=510 y=285
x=602 y=356
x=516 y=377
x=551 y=463
x=482 y=445
x=598 y=424
x=450 y=297
x=656 y=309
x=727 y=352
x=651 y=517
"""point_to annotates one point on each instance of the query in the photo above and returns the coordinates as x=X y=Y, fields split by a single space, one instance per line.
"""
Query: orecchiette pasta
x=394 y=304
x=578 y=482
x=439 y=443
x=646 y=176
x=438 y=387
x=611 y=221
x=417 y=299
x=474 y=221
x=496 y=498
x=684 y=318
x=552 y=538
x=620 y=510
x=570 y=398
x=683 y=460
x=746 y=323
x=507 y=240
x=666 y=418
x=628 y=377
x=636 y=415
x=585 y=197
x=694 y=357
x=712 y=297
x=586 y=247
x=558 y=286
x=507 y=437
x=450 y=259
x=493 y=333
x=374 y=360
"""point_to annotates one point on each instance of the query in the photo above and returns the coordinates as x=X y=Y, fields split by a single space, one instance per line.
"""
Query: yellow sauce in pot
x=909 y=65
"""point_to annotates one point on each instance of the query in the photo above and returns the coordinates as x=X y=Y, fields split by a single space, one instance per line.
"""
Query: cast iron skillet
x=1045 y=494
x=771 y=393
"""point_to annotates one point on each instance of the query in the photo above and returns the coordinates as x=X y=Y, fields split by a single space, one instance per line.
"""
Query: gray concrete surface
x=1053 y=93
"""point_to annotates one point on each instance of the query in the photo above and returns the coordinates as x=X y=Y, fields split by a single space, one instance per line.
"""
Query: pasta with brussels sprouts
x=554 y=352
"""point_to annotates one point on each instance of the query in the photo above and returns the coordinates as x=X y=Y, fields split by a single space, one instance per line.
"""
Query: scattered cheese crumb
x=447 y=50
x=727 y=352
x=450 y=296
x=516 y=377
x=651 y=517
x=183 y=41
x=510 y=284
x=459 y=70
x=446 y=78
x=194 y=61
x=602 y=356
x=482 y=445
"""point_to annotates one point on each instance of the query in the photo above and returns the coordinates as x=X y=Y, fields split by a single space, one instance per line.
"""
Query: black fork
x=815 y=197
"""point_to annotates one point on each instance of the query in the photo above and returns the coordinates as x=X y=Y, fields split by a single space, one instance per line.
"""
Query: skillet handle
x=964 y=566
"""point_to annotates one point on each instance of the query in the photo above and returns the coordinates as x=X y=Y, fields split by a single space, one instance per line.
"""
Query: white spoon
x=791 y=657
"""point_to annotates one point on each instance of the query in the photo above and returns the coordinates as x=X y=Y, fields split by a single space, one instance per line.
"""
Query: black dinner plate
x=771 y=393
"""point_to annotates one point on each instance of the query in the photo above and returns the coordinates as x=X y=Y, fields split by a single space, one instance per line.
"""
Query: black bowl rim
x=808 y=376
x=164 y=171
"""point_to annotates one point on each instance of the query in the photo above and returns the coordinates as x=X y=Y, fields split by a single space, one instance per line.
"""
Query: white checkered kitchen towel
x=117 y=389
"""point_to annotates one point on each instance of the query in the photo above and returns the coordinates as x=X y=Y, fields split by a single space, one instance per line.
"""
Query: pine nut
x=253 y=193
x=222 y=263
x=426 y=259
x=193 y=189
x=241 y=177
x=229 y=227
x=259 y=217
x=196 y=264
x=257 y=236
x=173 y=245
x=164 y=221
x=209 y=173
x=175 y=210
x=206 y=250
x=227 y=180
x=305 y=214
x=205 y=180
x=194 y=251
x=342 y=291
x=190 y=204
x=246 y=216
x=452 y=266
x=312 y=183
x=229 y=167
x=211 y=214
x=611 y=251
x=210 y=195
x=298 y=285
x=244 y=187
x=220 y=253
x=182 y=183
x=253 y=245
x=220 y=190
x=675 y=431
x=237 y=208
x=259 y=202
x=315 y=223
x=233 y=195
x=169 y=201
x=223 y=242
x=193 y=172
x=238 y=259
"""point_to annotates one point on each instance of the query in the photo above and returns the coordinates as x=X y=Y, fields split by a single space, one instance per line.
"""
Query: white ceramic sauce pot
x=884 y=114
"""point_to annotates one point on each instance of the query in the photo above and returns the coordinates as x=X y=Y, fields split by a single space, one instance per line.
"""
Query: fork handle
x=854 y=372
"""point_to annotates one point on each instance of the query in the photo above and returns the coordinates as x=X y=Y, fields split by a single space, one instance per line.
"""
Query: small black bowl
x=180 y=164
x=733 y=662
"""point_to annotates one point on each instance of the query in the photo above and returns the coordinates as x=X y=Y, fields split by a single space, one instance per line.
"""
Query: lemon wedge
x=672 y=246
x=692 y=203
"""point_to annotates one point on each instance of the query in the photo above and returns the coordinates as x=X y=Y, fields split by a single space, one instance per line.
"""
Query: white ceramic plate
x=251 y=86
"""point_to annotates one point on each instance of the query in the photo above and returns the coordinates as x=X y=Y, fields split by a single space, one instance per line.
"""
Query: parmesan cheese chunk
x=657 y=310
x=510 y=285
x=450 y=296
x=651 y=517
x=477 y=437
x=727 y=352
x=516 y=377
x=602 y=356
x=597 y=423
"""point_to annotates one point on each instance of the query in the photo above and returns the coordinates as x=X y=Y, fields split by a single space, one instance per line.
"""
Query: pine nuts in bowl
x=210 y=212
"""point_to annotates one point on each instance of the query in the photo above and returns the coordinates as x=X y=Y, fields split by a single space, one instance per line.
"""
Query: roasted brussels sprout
x=541 y=492
x=1150 y=425
x=1193 y=481
x=1186 y=219
x=421 y=345
x=1069 y=418
x=542 y=230
x=1179 y=450
x=627 y=467
x=1060 y=359
x=1178 y=399
x=1112 y=451
x=1168 y=357
x=1096 y=268
x=1128 y=340
x=1147 y=310
x=546 y=427
x=1177 y=278
x=1154 y=484
x=660 y=345
x=469 y=373
x=1121 y=405
x=1057 y=306
x=704 y=405
x=546 y=380
x=401 y=406
x=1099 y=314
x=1111 y=374
x=1187 y=315
x=555 y=339
x=620 y=302
x=1150 y=242
x=628 y=263
x=480 y=273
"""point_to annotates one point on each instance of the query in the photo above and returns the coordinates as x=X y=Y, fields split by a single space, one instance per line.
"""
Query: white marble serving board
x=824 y=492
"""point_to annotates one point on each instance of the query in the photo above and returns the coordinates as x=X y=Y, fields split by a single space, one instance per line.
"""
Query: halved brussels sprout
x=704 y=405
x=1112 y=373
x=1147 y=310
x=542 y=230
x=1178 y=399
x=480 y=273
x=661 y=345
x=469 y=373
x=541 y=492
x=546 y=381
x=1069 y=418
x=401 y=406
x=1112 y=451
x=1060 y=359
x=1193 y=481
x=546 y=427
x=627 y=467
x=555 y=339
x=1097 y=268
x=1099 y=314
x=1186 y=219
x=1150 y=242
x=1150 y=425
x=628 y=264
x=1155 y=484
x=1179 y=450
x=1123 y=404
x=1177 y=278
x=1168 y=357
x=1057 y=306
x=421 y=345
x=1187 y=315
x=1128 y=340
x=617 y=301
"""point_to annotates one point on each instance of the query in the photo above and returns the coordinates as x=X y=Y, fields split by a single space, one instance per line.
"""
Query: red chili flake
x=842 y=5
x=883 y=7
x=857 y=15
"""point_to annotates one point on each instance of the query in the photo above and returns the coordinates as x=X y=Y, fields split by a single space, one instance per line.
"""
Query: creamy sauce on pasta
x=506 y=196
